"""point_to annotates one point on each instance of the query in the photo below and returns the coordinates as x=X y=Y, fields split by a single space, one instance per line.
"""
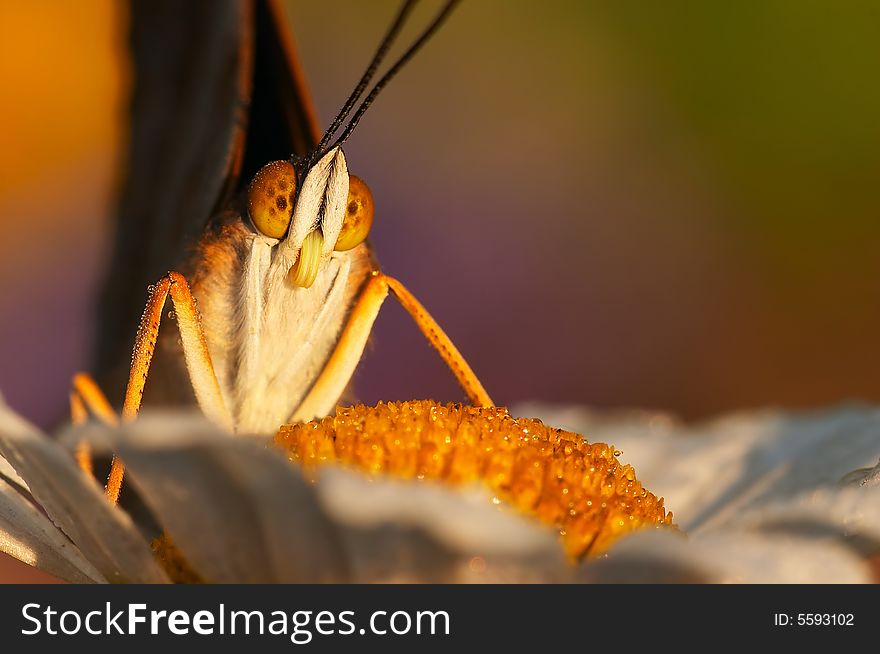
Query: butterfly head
x=312 y=205
x=329 y=211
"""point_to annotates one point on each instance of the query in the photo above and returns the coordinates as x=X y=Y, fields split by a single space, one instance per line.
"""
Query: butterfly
x=233 y=188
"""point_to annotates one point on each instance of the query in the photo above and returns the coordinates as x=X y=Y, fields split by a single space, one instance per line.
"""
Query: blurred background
x=671 y=205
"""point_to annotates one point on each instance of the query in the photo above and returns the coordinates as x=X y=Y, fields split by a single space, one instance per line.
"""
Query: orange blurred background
x=671 y=206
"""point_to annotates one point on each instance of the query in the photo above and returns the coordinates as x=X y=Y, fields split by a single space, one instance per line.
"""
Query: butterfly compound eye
x=270 y=198
x=358 y=215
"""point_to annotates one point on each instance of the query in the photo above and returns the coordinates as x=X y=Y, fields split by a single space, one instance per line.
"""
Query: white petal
x=863 y=477
x=104 y=534
x=27 y=535
x=844 y=516
x=238 y=511
x=355 y=499
x=414 y=531
x=659 y=556
x=793 y=454
x=8 y=473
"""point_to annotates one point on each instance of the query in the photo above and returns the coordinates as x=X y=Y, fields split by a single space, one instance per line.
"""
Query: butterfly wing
x=217 y=92
x=282 y=116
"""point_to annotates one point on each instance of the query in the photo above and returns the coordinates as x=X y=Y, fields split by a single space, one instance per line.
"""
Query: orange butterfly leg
x=198 y=363
x=195 y=351
x=87 y=396
x=330 y=385
x=442 y=343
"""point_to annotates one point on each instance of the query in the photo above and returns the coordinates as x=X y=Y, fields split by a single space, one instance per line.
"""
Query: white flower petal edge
x=27 y=535
x=727 y=557
x=238 y=510
x=8 y=473
x=863 y=477
x=415 y=531
x=104 y=534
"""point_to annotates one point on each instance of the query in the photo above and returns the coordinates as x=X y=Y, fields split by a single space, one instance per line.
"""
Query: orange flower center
x=581 y=489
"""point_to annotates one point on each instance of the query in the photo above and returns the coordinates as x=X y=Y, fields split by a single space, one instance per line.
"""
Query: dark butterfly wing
x=217 y=93
x=282 y=117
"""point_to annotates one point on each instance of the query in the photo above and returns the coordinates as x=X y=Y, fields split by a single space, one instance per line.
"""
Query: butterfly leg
x=323 y=396
x=198 y=363
x=195 y=351
x=87 y=396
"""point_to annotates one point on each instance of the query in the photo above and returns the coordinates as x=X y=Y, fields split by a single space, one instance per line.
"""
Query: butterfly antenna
x=384 y=46
x=414 y=48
